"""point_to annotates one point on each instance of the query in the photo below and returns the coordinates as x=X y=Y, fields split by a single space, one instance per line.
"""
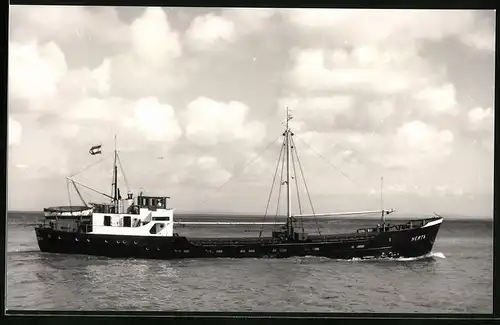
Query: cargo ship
x=140 y=226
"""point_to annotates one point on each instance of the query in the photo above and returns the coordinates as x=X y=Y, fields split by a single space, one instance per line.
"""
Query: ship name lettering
x=416 y=238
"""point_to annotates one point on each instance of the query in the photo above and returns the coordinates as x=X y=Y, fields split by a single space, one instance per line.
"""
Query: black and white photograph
x=213 y=159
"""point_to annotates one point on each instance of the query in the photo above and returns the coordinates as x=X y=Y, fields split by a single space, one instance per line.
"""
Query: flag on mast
x=95 y=150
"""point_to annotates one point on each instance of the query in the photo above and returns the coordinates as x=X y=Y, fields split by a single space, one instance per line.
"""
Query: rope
x=297 y=187
x=79 y=194
x=271 y=192
x=307 y=190
x=87 y=167
x=279 y=192
x=241 y=170
x=416 y=198
x=328 y=162
x=123 y=172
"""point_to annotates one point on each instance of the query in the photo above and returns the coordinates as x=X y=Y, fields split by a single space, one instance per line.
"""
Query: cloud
x=480 y=118
x=153 y=39
x=205 y=170
x=65 y=23
x=413 y=144
x=15 y=131
x=205 y=31
x=87 y=82
x=362 y=69
x=378 y=98
x=421 y=136
x=91 y=108
x=438 y=100
x=393 y=27
x=211 y=31
x=157 y=121
x=323 y=110
x=380 y=110
x=210 y=122
x=249 y=20
x=34 y=70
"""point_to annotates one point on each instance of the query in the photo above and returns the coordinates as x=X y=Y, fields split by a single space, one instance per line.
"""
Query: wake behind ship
x=144 y=227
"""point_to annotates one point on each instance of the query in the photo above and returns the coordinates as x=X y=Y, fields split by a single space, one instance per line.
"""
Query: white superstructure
x=149 y=216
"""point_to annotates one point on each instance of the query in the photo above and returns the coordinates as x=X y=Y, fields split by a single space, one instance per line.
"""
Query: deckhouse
x=145 y=216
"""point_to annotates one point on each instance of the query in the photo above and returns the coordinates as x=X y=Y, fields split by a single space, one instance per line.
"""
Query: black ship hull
x=392 y=242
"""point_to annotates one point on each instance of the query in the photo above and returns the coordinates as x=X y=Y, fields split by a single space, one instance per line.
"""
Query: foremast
x=114 y=186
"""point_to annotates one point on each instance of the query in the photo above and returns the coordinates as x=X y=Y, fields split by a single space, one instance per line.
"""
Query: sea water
x=456 y=277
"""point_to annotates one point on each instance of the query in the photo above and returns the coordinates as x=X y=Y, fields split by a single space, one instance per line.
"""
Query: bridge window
x=154 y=229
x=161 y=218
x=127 y=221
x=107 y=221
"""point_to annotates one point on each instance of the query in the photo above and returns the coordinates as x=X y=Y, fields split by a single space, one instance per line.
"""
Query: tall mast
x=288 y=135
x=288 y=149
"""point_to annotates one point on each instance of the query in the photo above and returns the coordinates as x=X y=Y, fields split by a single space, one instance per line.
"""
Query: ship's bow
x=418 y=241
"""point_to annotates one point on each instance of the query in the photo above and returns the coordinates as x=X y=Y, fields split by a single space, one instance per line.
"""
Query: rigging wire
x=307 y=190
x=271 y=192
x=420 y=202
x=123 y=172
x=279 y=192
x=336 y=168
x=241 y=170
x=79 y=194
x=297 y=188
x=88 y=166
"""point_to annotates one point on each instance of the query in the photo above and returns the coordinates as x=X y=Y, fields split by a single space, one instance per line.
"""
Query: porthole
x=135 y=242
x=106 y=241
x=147 y=249
x=76 y=239
x=88 y=240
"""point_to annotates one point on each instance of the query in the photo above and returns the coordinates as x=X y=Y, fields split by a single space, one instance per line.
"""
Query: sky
x=196 y=97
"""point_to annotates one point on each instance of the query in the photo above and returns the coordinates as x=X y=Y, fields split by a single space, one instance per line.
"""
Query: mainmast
x=288 y=136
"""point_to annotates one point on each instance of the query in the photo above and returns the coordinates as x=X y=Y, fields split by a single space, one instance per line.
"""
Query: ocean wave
x=430 y=255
